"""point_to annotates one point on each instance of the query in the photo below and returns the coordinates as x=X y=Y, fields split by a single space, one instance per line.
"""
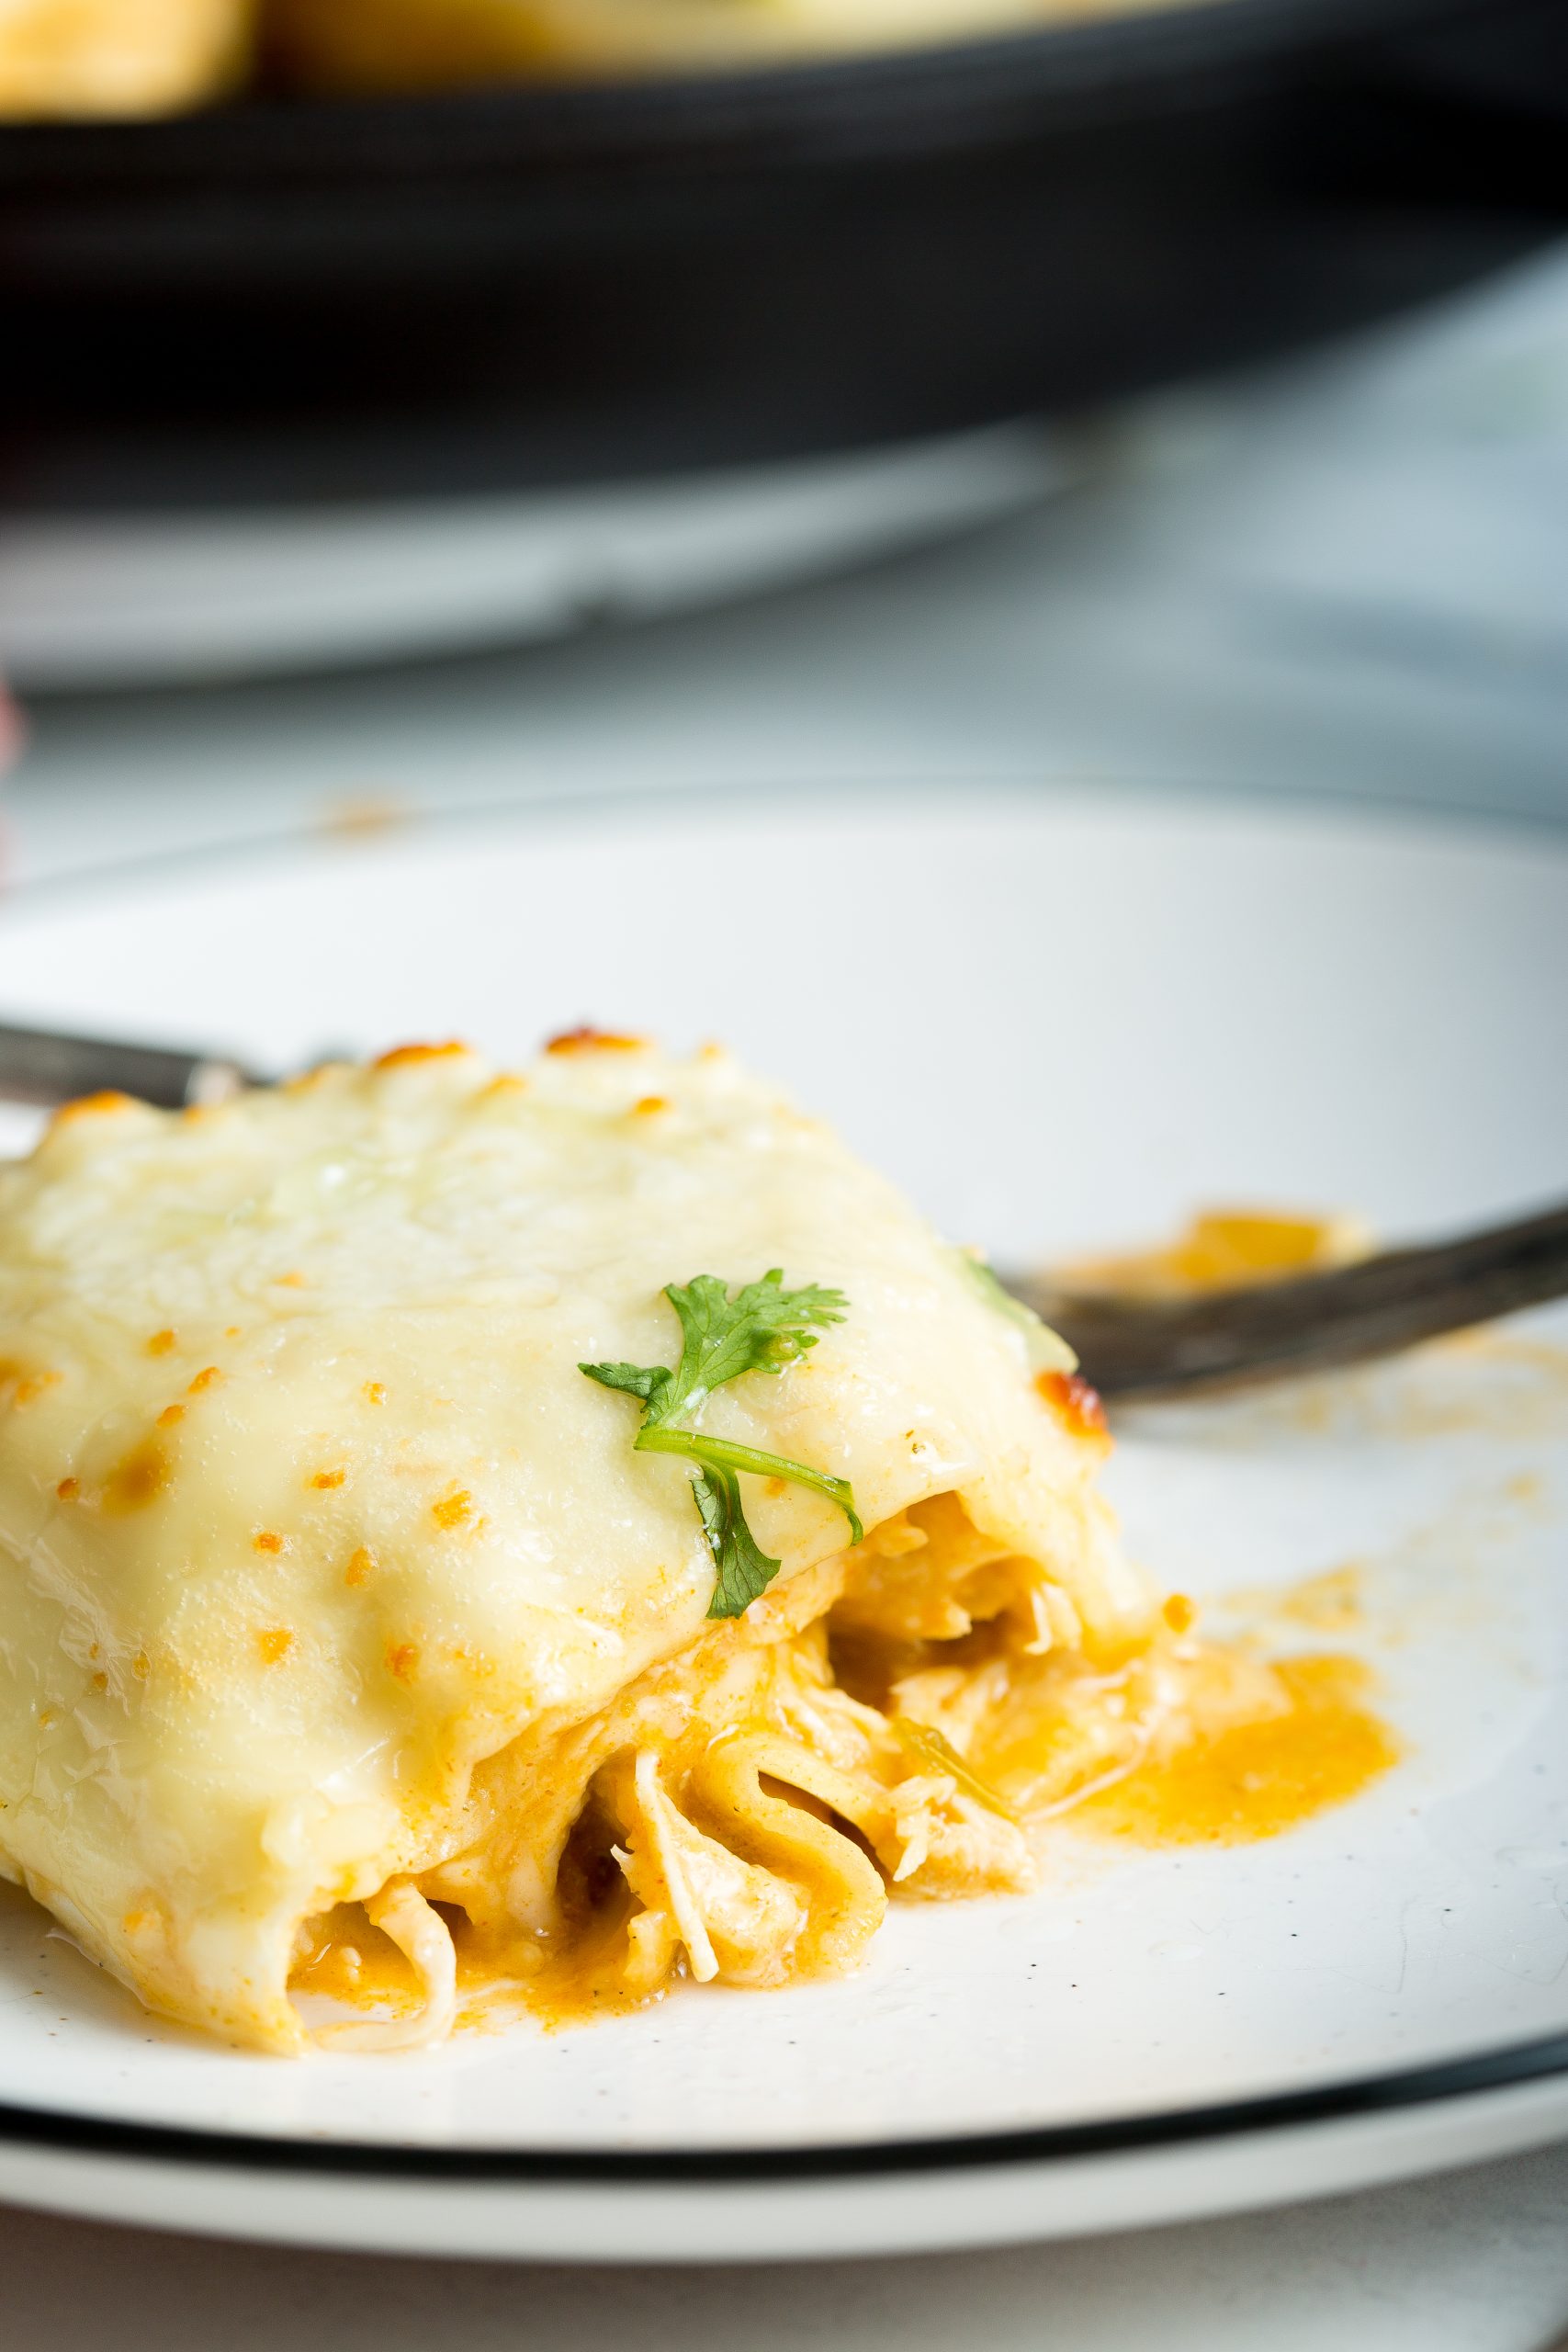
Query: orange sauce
x=1326 y=1604
x=1224 y=1250
x=363 y=814
x=359 y=1966
x=1258 y=1777
x=567 y=1988
x=1256 y=1751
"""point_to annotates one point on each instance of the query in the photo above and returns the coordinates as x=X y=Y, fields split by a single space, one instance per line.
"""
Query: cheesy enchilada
x=571 y=1530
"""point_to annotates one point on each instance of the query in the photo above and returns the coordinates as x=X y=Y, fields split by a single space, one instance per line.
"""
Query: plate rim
x=1154 y=789
x=1346 y=2100
x=1511 y=2065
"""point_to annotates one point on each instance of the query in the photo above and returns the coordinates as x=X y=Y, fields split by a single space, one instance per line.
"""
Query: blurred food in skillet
x=119 y=56
x=66 y=58
x=422 y=44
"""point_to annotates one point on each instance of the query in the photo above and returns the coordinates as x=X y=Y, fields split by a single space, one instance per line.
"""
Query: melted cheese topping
x=327 y=1579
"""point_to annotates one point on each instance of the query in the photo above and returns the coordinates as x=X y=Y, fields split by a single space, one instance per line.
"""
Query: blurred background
x=417 y=405
x=421 y=404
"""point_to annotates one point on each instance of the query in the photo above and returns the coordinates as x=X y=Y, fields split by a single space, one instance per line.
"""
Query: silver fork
x=1128 y=1346
x=1137 y=1347
x=47 y=1066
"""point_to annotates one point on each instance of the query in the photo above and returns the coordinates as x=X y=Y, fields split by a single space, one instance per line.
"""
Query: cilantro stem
x=720 y=1452
x=763 y=1328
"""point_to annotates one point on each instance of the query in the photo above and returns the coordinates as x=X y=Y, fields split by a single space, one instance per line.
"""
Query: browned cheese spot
x=454 y=1509
x=89 y=1106
x=588 y=1040
x=401 y=1057
x=139 y=1478
x=1076 y=1405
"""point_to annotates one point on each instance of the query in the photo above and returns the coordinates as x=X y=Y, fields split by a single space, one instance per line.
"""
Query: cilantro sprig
x=763 y=1328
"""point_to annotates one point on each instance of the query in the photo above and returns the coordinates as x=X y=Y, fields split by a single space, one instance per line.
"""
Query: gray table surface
x=1477 y=2262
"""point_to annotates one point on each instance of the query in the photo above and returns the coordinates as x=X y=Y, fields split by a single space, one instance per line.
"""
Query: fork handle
x=1225 y=1339
x=43 y=1066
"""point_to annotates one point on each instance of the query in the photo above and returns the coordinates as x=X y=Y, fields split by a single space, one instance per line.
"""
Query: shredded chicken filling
x=881 y=1727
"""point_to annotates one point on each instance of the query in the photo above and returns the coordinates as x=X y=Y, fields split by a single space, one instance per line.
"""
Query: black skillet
x=284 y=299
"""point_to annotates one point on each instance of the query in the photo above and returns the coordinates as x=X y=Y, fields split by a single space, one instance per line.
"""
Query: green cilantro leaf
x=745 y=1570
x=763 y=1329
x=647 y=1380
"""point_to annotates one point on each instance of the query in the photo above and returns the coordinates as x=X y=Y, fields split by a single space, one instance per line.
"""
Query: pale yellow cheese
x=306 y=1507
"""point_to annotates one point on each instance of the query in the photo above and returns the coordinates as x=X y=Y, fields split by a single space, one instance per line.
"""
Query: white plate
x=1060 y=1019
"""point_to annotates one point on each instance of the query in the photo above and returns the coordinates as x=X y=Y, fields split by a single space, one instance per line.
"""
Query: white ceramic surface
x=1061 y=1019
x=99 y=601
